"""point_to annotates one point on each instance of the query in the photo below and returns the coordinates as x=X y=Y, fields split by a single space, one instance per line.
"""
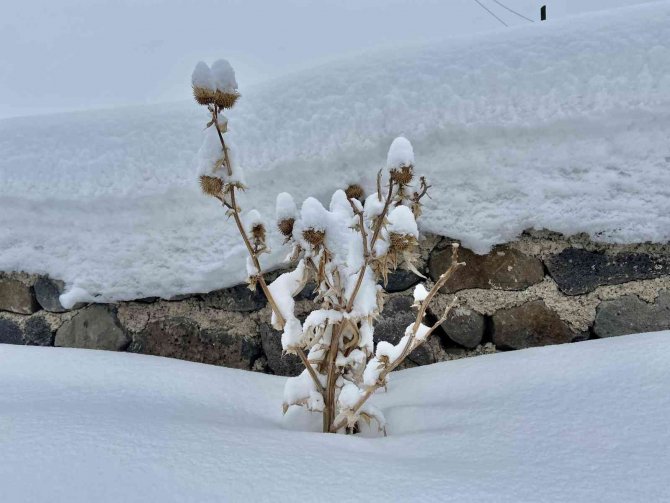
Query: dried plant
x=347 y=250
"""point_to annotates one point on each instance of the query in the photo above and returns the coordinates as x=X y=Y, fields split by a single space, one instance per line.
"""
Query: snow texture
x=400 y=154
x=283 y=289
x=401 y=221
x=202 y=77
x=253 y=219
x=224 y=76
x=420 y=293
x=579 y=422
x=286 y=207
x=561 y=125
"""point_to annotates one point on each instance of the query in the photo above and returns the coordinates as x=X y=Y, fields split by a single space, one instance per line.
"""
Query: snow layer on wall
x=563 y=125
x=577 y=423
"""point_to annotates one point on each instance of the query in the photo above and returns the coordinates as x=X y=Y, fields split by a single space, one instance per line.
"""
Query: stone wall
x=541 y=289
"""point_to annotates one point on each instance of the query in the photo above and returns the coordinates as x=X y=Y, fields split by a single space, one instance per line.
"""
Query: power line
x=490 y=12
x=513 y=11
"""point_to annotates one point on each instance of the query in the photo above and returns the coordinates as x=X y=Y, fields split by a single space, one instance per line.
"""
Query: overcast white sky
x=75 y=54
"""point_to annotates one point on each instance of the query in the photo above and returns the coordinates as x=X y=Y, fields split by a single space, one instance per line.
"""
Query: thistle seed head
x=286 y=226
x=354 y=191
x=226 y=99
x=402 y=176
x=314 y=237
x=258 y=233
x=211 y=185
x=401 y=242
x=204 y=96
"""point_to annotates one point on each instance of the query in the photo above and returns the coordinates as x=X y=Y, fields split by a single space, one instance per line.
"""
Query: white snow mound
x=561 y=125
x=579 y=423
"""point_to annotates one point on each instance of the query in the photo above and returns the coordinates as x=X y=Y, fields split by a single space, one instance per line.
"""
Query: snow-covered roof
x=562 y=125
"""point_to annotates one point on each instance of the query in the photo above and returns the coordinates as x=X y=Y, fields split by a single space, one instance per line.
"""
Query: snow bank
x=578 y=423
x=560 y=124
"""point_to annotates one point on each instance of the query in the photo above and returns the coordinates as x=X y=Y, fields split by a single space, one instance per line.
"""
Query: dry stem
x=409 y=346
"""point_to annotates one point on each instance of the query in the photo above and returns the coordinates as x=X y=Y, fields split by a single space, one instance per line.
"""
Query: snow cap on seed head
x=255 y=226
x=286 y=213
x=202 y=81
x=225 y=83
x=313 y=218
x=400 y=160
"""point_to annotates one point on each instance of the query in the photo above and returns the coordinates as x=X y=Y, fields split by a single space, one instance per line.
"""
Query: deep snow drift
x=562 y=125
x=579 y=423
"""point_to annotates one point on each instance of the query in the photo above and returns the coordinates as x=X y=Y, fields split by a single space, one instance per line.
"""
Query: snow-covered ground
x=578 y=423
x=561 y=124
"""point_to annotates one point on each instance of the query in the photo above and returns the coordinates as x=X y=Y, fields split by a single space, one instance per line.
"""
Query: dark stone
x=531 y=324
x=280 y=364
x=577 y=271
x=47 y=291
x=503 y=268
x=400 y=280
x=37 y=332
x=630 y=315
x=394 y=320
x=182 y=338
x=179 y=297
x=464 y=327
x=17 y=297
x=10 y=333
x=307 y=293
x=147 y=300
x=95 y=327
x=238 y=298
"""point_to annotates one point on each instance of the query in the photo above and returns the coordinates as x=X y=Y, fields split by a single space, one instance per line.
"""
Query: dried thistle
x=286 y=226
x=211 y=185
x=225 y=99
x=402 y=176
x=314 y=237
x=401 y=242
x=258 y=233
x=203 y=95
x=354 y=191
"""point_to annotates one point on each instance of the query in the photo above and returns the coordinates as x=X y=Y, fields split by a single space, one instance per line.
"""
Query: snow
x=420 y=293
x=202 y=77
x=283 y=289
x=401 y=221
x=579 y=422
x=210 y=155
x=400 y=154
x=285 y=208
x=560 y=125
x=313 y=215
x=252 y=219
x=224 y=76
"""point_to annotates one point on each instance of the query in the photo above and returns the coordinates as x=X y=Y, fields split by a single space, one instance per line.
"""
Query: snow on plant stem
x=347 y=250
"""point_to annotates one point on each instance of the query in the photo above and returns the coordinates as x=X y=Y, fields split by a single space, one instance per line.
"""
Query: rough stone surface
x=465 y=327
x=503 y=268
x=401 y=280
x=180 y=337
x=47 y=291
x=578 y=271
x=238 y=298
x=395 y=318
x=95 y=327
x=529 y=325
x=17 y=297
x=279 y=364
x=231 y=327
x=37 y=332
x=630 y=315
x=10 y=333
